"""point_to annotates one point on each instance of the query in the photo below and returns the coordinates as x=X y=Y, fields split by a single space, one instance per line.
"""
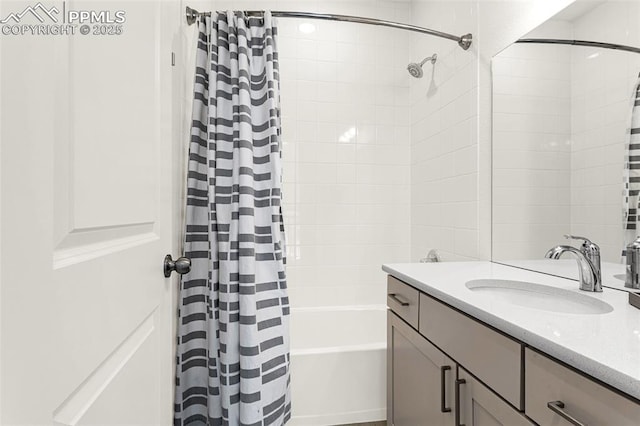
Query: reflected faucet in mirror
x=588 y=257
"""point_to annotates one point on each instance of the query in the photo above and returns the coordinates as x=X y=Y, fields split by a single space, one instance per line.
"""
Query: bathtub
x=338 y=365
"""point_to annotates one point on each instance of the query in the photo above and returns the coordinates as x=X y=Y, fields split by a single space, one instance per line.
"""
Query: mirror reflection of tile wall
x=560 y=120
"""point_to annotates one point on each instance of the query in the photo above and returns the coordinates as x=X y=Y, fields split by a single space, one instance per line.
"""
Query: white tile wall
x=444 y=171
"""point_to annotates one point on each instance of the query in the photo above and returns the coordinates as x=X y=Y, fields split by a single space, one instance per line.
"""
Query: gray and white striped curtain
x=233 y=330
x=632 y=173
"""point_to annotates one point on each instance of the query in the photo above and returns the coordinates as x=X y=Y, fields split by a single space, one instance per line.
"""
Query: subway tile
x=346 y=52
x=327 y=71
x=307 y=111
x=346 y=173
x=327 y=91
x=307 y=131
x=326 y=112
x=465 y=160
x=306 y=70
x=346 y=113
x=306 y=90
x=307 y=49
x=317 y=152
x=346 y=153
x=326 y=50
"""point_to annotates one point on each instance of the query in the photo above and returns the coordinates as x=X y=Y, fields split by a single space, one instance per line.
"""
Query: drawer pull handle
x=457 y=397
x=443 y=390
x=557 y=407
x=398 y=299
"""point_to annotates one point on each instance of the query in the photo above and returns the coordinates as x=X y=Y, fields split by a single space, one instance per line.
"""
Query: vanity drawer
x=494 y=358
x=403 y=300
x=585 y=400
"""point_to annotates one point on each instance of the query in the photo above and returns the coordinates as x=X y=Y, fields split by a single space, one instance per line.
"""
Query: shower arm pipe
x=463 y=41
x=580 y=43
x=431 y=58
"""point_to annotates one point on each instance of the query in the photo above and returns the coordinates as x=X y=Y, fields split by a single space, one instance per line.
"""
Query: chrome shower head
x=416 y=69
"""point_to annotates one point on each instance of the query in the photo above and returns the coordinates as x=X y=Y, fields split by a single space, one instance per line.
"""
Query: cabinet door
x=481 y=407
x=420 y=379
x=555 y=393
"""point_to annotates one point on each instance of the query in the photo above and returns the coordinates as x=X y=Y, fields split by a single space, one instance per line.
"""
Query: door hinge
x=173 y=59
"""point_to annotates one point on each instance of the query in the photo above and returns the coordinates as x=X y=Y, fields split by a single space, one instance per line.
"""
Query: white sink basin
x=538 y=296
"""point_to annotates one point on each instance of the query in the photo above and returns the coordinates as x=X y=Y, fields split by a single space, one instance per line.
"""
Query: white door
x=88 y=193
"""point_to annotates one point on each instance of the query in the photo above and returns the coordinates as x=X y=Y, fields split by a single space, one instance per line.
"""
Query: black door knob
x=181 y=265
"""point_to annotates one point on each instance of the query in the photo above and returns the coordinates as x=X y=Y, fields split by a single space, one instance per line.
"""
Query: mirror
x=561 y=119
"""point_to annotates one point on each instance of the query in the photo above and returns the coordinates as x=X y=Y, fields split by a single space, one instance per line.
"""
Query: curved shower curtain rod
x=580 y=43
x=463 y=41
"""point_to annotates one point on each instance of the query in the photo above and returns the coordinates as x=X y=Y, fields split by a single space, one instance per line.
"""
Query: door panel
x=114 y=151
x=481 y=417
x=414 y=390
x=414 y=383
x=109 y=124
x=479 y=406
x=94 y=399
x=86 y=199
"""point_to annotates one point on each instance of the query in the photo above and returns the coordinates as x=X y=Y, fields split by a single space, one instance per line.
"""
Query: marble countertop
x=605 y=346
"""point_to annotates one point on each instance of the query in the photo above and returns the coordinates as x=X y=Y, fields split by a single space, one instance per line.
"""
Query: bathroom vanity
x=478 y=343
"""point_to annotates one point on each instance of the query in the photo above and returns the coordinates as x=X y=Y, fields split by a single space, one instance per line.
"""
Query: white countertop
x=605 y=346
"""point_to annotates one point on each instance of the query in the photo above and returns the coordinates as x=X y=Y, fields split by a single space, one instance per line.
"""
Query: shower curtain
x=233 y=328
x=632 y=173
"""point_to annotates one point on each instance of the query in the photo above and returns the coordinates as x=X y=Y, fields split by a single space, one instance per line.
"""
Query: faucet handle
x=576 y=237
x=589 y=248
x=585 y=241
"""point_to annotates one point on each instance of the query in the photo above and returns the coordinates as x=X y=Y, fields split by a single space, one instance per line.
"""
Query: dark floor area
x=380 y=423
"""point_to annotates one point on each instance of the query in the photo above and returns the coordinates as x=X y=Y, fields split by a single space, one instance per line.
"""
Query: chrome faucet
x=588 y=258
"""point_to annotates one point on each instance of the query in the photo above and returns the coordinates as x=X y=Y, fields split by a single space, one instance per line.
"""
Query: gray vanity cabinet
x=424 y=384
x=420 y=378
x=438 y=355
